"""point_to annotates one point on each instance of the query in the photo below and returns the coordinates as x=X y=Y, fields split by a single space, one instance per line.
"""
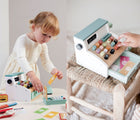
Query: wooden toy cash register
x=19 y=89
x=96 y=48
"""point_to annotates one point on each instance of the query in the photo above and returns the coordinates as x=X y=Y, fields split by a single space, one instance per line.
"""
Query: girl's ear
x=33 y=27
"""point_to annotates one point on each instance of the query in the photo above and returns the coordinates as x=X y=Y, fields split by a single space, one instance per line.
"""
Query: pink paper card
x=123 y=61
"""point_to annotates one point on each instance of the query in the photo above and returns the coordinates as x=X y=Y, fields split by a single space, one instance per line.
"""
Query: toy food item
x=52 y=79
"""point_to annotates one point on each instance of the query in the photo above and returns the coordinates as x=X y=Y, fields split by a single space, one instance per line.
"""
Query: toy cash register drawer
x=125 y=66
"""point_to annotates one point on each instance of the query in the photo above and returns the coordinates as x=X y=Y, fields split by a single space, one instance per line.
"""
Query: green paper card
x=40 y=119
x=41 y=110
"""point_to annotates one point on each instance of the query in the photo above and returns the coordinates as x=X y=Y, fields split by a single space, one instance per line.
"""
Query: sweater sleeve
x=20 y=51
x=45 y=60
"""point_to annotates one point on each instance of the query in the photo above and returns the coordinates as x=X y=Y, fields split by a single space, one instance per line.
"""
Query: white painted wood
x=134 y=88
x=69 y=93
x=118 y=102
x=18 y=93
x=90 y=106
x=84 y=55
x=75 y=91
x=85 y=116
x=128 y=104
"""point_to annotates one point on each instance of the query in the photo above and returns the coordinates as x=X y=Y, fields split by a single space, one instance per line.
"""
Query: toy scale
x=97 y=49
x=19 y=89
x=52 y=100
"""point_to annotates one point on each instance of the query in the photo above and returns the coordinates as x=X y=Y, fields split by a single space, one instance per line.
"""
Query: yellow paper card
x=51 y=114
x=52 y=79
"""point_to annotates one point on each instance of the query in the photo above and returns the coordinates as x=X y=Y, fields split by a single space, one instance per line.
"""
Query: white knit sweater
x=25 y=55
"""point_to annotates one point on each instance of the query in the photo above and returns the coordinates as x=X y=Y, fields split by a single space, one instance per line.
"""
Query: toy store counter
x=37 y=109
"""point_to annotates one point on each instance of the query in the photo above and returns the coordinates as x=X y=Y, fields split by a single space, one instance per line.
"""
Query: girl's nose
x=47 y=39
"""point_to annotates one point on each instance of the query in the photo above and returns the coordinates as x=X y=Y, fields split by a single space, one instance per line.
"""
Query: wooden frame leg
x=118 y=102
x=133 y=89
x=69 y=92
x=77 y=88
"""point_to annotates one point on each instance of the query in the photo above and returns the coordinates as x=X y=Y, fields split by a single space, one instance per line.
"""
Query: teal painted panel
x=90 y=29
x=124 y=78
x=49 y=90
x=34 y=94
x=108 y=35
x=14 y=74
x=53 y=102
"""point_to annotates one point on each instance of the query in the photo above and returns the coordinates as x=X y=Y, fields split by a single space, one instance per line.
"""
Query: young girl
x=132 y=40
x=29 y=47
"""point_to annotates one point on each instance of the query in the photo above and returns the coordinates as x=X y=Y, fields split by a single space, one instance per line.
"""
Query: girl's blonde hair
x=47 y=21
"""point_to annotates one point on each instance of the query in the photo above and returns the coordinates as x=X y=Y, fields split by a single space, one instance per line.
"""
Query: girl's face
x=41 y=37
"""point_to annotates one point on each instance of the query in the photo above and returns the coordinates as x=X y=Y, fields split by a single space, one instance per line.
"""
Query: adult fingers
x=124 y=35
x=124 y=44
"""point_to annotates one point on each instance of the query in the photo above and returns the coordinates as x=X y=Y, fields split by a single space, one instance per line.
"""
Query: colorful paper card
x=63 y=116
x=40 y=119
x=41 y=110
x=51 y=114
x=128 y=66
x=123 y=61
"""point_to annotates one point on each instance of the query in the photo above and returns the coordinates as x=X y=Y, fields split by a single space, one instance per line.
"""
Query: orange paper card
x=127 y=67
x=51 y=114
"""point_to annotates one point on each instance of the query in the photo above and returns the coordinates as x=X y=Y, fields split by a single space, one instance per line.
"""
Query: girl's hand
x=59 y=73
x=35 y=81
x=132 y=40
